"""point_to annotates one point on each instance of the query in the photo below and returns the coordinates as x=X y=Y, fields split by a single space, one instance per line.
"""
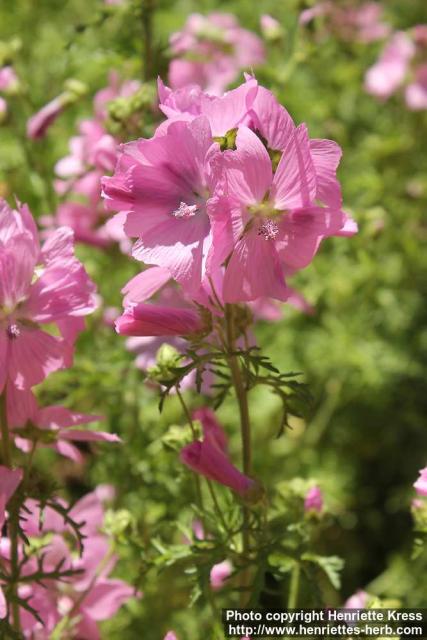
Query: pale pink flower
x=39 y=285
x=270 y=27
x=8 y=79
x=313 y=500
x=3 y=109
x=57 y=425
x=219 y=574
x=211 y=50
x=362 y=23
x=171 y=635
x=116 y=88
x=416 y=91
x=388 y=74
x=357 y=601
x=421 y=484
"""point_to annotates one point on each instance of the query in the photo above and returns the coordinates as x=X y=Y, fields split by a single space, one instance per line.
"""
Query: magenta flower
x=165 y=184
x=314 y=500
x=211 y=50
x=421 y=484
x=57 y=425
x=219 y=574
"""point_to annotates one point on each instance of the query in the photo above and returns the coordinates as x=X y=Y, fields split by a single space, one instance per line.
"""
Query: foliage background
x=363 y=352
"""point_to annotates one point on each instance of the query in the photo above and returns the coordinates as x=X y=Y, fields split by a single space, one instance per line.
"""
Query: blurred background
x=363 y=350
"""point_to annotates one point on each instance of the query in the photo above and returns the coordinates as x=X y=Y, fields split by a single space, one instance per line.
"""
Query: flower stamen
x=269 y=230
x=185 y=210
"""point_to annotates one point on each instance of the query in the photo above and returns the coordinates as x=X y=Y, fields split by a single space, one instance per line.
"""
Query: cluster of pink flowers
x=211 y=51
x=45 y=293
x=92 y=154
x=42 y=287
x=402 y=65
x=86 y=595
x=350 y=22
x=228 y=198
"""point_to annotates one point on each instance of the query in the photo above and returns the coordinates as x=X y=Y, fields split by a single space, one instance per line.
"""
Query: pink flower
x=40 y=122
x=416 y=91
x=57 y=425
x=270 y=27
x=116 y=89
x=38 y=286
x=363 y=23
x=211 y=50
x=388 y=74
x=275 y=224
x=421 y=484
x=165 y=185
x=8 y=79
x=90 y=596
x=171 y=635
x=153 y=320
x=212 y=429
x=9 y=481
x=220 y=573
x=209 y=457
x=3 y=109
x=357 y=601
x=313 y=500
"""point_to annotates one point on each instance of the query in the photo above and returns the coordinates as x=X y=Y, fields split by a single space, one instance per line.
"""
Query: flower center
x=13 y=331
x=185 y=210
x=268 y=229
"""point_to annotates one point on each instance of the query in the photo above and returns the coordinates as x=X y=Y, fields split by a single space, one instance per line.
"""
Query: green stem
x=245 y=429
x=13 y=523
x=294 y=586
x=147 y=29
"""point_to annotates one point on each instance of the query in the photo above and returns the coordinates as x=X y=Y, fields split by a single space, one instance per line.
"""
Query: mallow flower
x=274 y=223
x=44 y=294
x=421 y=484
x=165 y=185
x=211 y=50
x=313 y=500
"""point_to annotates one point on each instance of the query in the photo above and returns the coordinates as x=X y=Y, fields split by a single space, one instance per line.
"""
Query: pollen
x=268 y=229
x=13 y=331
x=185 y=210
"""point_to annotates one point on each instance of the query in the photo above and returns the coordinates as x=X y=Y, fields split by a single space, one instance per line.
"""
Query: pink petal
x=294 y=183
x=254 y=271
x=142 y=286
x=326 y=156
x=153 y=320
x=248 y=169
x=106 y=597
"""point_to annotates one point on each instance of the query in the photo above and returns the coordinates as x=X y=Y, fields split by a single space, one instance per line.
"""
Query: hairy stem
x=294 y=586
x=245 y=426
x=13 y=523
